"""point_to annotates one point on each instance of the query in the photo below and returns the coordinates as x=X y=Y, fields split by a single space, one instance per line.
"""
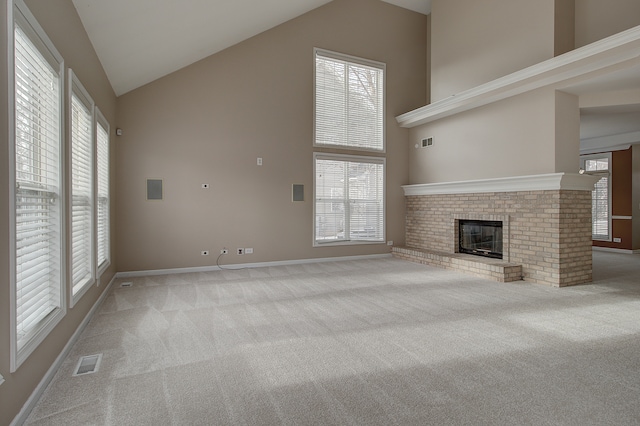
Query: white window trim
x=77 y=89
x=352 y=158
x=607 y=173
x=17 y=10
x=361 y=61
x=99 y=119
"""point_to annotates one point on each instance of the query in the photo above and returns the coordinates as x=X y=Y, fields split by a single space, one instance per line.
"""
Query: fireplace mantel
x=544 y=182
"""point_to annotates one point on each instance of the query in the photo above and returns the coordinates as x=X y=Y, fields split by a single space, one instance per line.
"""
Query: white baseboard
x=615 y=250
x=134 y=274
x=39 y=390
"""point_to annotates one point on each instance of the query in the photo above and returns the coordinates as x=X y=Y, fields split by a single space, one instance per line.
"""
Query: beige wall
x=597 y=19
x=513 y=137
x=62 y=25
x=635 y=196
x=564 y=26
x=567 y=135
x=209 y=122
x=473 y=42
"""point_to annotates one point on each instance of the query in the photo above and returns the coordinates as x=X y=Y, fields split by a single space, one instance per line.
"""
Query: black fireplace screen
x=481 y=237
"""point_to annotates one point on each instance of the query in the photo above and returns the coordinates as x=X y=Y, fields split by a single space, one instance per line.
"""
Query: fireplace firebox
x=480 y=237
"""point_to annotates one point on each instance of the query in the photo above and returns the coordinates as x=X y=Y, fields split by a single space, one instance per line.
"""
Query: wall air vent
x=87 y=365
x=427 y=142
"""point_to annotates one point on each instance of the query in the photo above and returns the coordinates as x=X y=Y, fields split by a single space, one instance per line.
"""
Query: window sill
x=346 y=243
x=36 y=337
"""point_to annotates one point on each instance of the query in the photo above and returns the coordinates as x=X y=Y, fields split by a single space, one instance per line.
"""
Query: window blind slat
x=349 y=200
x=598 y=165
x=81 y=194
x=37 y=176
x=102 y=159
x=349 y=103
x=349 y=113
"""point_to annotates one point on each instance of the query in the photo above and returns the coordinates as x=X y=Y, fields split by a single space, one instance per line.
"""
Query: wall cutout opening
x=297 y=192
x=154 y=189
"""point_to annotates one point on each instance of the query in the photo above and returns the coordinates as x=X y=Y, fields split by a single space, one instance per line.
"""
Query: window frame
x=100 y=120
x=602 y=173
x=77 y=90
x=356 y=61
x=352 y=159
x=18 y=15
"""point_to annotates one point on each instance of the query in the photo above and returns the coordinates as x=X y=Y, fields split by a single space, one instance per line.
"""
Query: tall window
x=102 y=159
x=349 y=194
x=349 y=204
x=82 y=275
x=349 y=102
x=37 y=220
x=599 y=165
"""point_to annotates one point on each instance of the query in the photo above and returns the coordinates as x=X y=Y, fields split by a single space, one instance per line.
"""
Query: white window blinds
x=38 y=183
x=102 y=146
x=600 y=203
x=81 y=189
x=349 y=101
x=349 y=198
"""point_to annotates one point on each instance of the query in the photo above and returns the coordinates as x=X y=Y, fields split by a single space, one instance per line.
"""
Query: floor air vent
x=126 y=284
x=88 y=364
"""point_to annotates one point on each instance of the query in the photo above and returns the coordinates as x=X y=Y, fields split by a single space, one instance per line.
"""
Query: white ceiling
x=610 y=120
x=139 y=41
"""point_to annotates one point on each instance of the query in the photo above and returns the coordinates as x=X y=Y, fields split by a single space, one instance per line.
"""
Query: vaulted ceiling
x=139 y=41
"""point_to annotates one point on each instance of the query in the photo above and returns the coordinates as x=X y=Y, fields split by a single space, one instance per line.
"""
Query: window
x=102 y=159
x=82 y=274
x=599 y=165
x=349 y=202
x=349 y=102
x=349 y=199
x=37 y=272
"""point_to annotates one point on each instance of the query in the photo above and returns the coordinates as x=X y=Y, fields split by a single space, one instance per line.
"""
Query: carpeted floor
x=376 y=342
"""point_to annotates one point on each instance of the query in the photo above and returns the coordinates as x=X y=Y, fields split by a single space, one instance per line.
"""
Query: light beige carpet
x=381 y=342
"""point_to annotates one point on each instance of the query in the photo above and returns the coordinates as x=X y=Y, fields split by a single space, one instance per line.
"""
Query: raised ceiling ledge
x=613 y=51
x=545 y=182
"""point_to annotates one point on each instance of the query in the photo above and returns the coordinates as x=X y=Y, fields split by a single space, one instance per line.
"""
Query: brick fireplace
x=546 y=226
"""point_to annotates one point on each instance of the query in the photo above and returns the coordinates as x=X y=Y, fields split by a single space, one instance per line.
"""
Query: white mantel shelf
x=545 y=182
x=613 y=51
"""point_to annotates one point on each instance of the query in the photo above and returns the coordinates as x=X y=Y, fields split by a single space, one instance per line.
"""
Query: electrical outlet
x=259 y=161
x=240 y=251
x=390 y=242
x=224 y=251
x=205 y=252
x=617 y=240
x=248 y=251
